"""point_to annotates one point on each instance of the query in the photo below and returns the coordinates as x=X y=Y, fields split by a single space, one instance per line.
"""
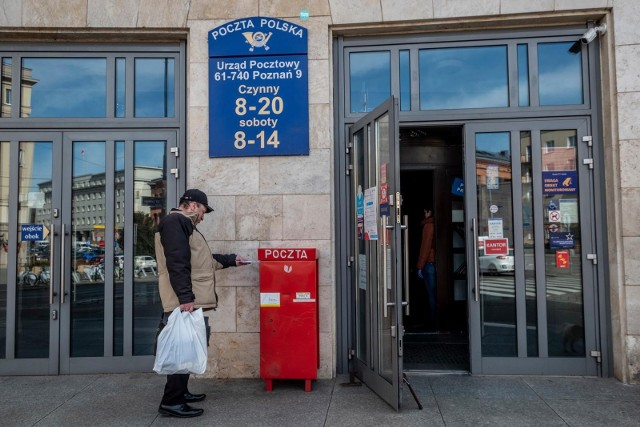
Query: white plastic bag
x=182 y=344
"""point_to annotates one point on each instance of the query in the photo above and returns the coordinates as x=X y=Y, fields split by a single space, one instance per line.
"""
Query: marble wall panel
x=633 y=355
x=54 y=13
x=627 y=69
x=307 y=217
x=296 y=174
x=11 y=13
x=630 y=163
x=327 y=356
x=198 y=50
x=326 y=306
x=259 y=217
x=163 y=13
x=248 y=309
x=633 y=309
x=223 y=176
x=198 y=129
x=319 y=86
x=320 y=126
x=292 y=8
x=223 y=318
x=198 y=84
x=631 y=263
x=625 y=16
x=577 y=4
x=241 y=276
x=318 y=37
x=409 y=10
x=461 y=8
x=630 y=203
x=223 y=9
x=234 y=355
x=221 y=223
x=112 y=13
x=523 y=6
x=354 y=11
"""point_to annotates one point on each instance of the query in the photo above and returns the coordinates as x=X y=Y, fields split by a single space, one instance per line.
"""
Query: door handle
x=474 y=227
x=383 y=239
x=62 y=250
x=52 y=257
x=405 y=260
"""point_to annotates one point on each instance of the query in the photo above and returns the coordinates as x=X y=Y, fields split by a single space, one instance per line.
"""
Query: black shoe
x=179 y=411
x=190 y=398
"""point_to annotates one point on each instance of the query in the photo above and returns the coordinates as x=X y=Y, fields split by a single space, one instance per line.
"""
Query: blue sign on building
x=258 y=88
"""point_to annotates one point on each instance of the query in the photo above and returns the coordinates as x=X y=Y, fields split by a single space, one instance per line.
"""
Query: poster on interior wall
x=258 y=88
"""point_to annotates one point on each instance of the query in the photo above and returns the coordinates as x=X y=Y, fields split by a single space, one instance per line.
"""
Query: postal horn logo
x=257 y=39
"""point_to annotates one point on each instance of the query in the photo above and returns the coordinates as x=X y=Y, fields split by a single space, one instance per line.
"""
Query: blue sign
x=559 y=182
x=31 y=232
x=258 y=89
x=562 y=240
x=457 y=187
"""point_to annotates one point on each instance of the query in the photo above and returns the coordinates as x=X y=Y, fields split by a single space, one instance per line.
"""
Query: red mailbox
x=288 y=315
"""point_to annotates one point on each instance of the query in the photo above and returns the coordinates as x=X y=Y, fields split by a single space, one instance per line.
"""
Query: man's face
x=199 y=209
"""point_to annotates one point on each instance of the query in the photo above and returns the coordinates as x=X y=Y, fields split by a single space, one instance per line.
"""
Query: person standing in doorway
x=186 y=279
x=426 y=263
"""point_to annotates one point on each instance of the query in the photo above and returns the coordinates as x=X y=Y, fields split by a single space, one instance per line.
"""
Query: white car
x=145 y=261
x=495 y=264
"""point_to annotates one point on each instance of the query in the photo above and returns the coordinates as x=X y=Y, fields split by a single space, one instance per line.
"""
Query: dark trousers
x=177 y=384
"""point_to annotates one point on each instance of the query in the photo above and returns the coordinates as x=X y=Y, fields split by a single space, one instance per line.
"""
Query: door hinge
x=174 y=171
x=597 y=355
x=350 y=260
x=588 y=162
x=349 y=146
x=593 y=258
x=175 y=151
x=588 y=139
x=349 y=169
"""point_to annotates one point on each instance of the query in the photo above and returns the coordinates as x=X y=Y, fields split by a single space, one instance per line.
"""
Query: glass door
x=377 y=267
x=78 y=284
x=533 y=283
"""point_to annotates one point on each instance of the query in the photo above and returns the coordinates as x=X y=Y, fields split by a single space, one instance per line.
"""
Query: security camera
x=592 y=33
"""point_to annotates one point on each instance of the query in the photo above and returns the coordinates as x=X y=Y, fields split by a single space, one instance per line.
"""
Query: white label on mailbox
x=269 y=299
x=303 y=295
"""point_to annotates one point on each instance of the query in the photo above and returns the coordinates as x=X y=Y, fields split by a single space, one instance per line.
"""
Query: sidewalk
x=451 y=400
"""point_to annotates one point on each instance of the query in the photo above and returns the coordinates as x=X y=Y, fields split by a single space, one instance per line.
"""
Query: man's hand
x=420 y=274
x=187 y=307
x=241 y=261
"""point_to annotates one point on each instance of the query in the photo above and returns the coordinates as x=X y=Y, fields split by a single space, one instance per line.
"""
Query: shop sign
x=258 y=88
x=561 y=240
x=496 y=246
x=559 y=182
x=562 y=259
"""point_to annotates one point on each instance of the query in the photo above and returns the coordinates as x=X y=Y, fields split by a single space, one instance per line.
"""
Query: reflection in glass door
x=78 y=284
x=533 y=293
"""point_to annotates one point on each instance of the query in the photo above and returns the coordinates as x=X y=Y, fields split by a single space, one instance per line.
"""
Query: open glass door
x=533 y=280
x=376 y=217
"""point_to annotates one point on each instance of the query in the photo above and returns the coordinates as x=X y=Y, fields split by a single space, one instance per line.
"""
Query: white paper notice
x=370 y=214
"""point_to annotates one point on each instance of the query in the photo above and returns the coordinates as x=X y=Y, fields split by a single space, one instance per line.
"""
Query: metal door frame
x=59 y=360
x=369 y=370
x=586 y=181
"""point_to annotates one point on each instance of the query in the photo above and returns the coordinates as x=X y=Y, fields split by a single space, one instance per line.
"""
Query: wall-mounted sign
x=559 y=182
x=258 y=88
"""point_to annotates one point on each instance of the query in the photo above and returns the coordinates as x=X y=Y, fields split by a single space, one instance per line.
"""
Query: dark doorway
x=431 y=175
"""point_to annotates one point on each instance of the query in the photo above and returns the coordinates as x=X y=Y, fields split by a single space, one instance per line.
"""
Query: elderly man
x=186 y=278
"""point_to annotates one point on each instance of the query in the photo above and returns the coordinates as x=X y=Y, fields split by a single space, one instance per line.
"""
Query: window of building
x=369 y=79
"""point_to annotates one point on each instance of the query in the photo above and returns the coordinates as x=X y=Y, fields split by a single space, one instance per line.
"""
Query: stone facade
x=258 y=205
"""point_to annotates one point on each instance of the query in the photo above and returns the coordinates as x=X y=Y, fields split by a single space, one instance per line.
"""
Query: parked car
x=144 y=261
x=494 y=264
